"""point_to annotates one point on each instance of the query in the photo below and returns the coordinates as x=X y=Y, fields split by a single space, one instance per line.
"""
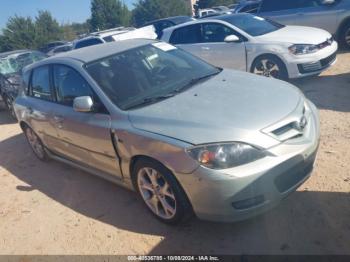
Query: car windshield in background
x=14 y=63
x=253 y=25
x=148 y=74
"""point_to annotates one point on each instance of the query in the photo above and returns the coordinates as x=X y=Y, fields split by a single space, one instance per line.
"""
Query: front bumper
x=242 y=192
x=312 y=64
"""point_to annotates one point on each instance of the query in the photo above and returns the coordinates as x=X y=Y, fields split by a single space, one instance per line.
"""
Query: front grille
x=293 y=176
x=317 y=66
x=328 y=60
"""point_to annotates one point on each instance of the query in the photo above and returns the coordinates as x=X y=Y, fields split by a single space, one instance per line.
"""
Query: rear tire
x=161 y=192
x=35 y=144
x=270 y=66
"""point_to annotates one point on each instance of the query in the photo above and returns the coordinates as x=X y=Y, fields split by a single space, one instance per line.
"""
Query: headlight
x=221 y=156
x=303 y=49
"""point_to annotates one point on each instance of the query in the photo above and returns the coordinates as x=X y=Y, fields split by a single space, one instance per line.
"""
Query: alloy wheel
x=35 y=143
x=9 y=105
x=268 y=68
x=156 y=192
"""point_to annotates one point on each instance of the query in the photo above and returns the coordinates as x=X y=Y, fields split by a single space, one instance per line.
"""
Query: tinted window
x=69 y=84
x=62 y=49
x=253 y=25
x=160 y=26
x=108 y=39
x=214 y=32
x=88 y=42
x=186 y=35
x=41 y=83
x=277 y=5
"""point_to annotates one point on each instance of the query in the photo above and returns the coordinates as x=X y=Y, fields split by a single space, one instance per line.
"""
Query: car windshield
x=14 y=63
x=253 y=25
x=148 y=74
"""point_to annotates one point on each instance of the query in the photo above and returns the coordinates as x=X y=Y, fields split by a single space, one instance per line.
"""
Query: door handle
x=205 y=48
x=58 y=121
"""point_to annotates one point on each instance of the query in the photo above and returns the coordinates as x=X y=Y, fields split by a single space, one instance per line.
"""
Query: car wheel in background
x=36 y=144
x=161 y=192
x=270 y=66
x=9 y=105
x=345 y=35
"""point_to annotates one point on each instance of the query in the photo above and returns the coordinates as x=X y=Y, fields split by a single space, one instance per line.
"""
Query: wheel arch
x=269 y=55
x=344 y=22
x=136 y=158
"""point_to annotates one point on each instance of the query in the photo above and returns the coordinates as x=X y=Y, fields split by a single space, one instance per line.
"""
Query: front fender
x=168 y=151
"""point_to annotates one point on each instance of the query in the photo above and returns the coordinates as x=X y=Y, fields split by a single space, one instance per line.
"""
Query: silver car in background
x=330 y=15
x=187 y=136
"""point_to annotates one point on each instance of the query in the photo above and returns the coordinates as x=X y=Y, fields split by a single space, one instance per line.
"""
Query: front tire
x=344 y=37
x=161 y=192
x=36 y=145
x=270 y=66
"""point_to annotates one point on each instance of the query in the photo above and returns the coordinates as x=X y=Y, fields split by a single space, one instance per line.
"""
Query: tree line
x=33 y=33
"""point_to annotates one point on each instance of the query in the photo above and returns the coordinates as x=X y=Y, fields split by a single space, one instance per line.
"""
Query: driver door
x=217 y=52
x=84 y=137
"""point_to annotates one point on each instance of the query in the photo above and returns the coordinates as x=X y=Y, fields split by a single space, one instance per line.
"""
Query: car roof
x=96 y=52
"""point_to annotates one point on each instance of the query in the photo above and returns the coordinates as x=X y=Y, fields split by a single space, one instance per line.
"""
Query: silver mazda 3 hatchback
x=187 y=136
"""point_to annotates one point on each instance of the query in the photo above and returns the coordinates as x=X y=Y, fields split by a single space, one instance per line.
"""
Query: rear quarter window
x=186 y=35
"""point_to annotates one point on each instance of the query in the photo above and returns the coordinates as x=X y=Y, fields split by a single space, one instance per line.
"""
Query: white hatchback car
x=254 y=44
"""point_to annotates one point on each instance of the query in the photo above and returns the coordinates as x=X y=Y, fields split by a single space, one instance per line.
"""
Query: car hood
x=232 y=106
x=297 y=35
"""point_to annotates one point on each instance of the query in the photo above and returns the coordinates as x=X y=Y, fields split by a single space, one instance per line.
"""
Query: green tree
x=107 y=14
x=148 y=10
x=19 y=33
x=47 y=29
x=210 y=3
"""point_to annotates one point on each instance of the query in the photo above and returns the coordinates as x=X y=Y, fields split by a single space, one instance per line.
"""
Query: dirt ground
x=50 y=208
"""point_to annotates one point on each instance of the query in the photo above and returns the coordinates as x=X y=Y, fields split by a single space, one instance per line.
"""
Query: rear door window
x=41 y=84
x=186 y=35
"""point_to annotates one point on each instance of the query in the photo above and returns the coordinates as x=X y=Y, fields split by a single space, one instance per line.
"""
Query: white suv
x=101 y=37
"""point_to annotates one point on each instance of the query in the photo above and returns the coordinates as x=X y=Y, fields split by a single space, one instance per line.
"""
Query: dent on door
x=86 y=138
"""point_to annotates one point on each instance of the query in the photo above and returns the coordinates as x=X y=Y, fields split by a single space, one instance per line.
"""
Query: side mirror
x=328 y=2
x=232 y=39
x=83 y=104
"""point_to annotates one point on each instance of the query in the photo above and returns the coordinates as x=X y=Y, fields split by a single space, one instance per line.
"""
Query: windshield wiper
x=150 y=100
x=154 y=99
x=194 y=81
